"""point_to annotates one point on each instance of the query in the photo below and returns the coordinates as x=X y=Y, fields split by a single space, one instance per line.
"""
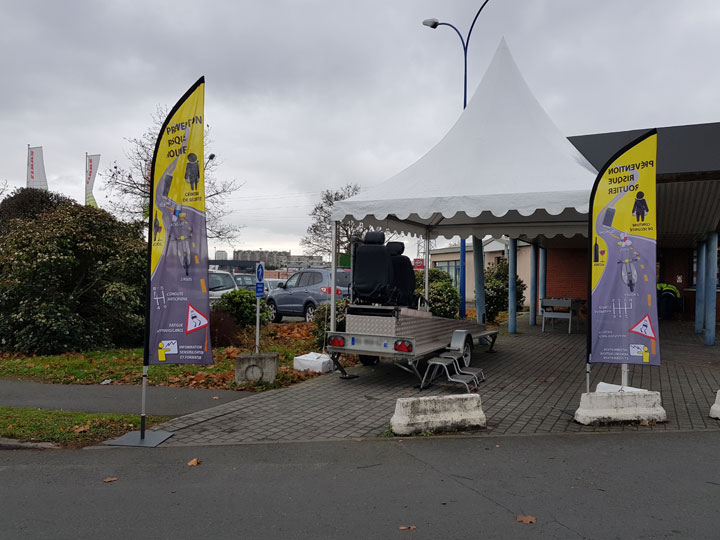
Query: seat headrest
x=374 y=237
x=395 y=248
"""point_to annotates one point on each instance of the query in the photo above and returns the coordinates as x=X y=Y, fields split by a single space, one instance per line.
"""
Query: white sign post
x=259 y=293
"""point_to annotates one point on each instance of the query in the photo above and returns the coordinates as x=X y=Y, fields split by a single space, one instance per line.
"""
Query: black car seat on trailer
x=373 y=270
x=403 y=273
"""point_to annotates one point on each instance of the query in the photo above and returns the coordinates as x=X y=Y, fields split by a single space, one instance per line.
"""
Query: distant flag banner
x=178 y=318
x=36 y=168
x=91 y=167
x=623 y=243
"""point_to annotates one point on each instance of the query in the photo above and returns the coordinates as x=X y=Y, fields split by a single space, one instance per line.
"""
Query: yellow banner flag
x=178 y=303
x=623 y=322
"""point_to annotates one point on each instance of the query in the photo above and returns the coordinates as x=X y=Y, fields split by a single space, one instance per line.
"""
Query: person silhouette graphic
x=640 y=208
x=192 y=171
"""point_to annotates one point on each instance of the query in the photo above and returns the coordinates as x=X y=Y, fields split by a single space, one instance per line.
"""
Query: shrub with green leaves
x=321 y=321
x=444 y=299
x=435 y=275
x=72 y=278
x=496 y=290
x=241 y=304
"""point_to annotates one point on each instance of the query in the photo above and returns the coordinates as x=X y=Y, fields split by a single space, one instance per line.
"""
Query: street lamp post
x=434 y=23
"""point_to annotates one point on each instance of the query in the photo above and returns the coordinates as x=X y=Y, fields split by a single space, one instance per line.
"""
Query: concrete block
x=437 y=413
x=715 y=409
x=251 y=367
x=606 y=407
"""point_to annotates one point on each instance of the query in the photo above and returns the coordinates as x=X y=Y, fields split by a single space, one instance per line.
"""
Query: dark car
x=305 y=291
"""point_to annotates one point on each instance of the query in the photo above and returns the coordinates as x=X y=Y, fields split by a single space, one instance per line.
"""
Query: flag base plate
x=151 y=440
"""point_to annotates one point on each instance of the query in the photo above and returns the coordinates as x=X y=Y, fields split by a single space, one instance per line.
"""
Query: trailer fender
x=458 y=339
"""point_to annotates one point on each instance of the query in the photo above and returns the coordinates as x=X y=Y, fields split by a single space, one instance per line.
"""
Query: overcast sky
x=307 y=95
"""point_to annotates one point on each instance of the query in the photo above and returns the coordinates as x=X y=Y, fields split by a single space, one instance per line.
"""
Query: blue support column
x=711 y=283
x=479 y=263
x=512 y=286
x=462 y=279
x=700 y=271
x=533 y=285
x=543 y=273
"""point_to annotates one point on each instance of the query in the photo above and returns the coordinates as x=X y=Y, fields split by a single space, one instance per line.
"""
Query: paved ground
x=533 y=381
x=161 y=400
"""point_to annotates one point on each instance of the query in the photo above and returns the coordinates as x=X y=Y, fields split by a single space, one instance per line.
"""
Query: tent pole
x=533 y=284
x=333 y=273
x=479 y=264
x=427 y=263
x=462 y=287
x=541 y=278
x=512 y=286
x=711 y=283
x=700 y=289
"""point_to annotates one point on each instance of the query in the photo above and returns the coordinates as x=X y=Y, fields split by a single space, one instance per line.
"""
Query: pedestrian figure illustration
x=192 y=171
x=640 y=208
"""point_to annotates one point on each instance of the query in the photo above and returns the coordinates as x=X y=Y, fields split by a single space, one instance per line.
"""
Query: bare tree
x=3 y=188
x=318 y=239
x=130 y=186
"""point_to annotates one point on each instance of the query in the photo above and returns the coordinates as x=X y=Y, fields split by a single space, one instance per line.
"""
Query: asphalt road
x=595 y=486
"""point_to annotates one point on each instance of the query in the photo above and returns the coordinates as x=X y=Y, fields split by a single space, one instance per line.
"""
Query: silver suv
x=219 y=283
x=305 y=291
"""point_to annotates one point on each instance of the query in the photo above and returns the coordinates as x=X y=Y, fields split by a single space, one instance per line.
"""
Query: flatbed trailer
x=404 y=336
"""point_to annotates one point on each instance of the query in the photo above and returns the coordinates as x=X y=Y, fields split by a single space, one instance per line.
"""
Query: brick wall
x=567 y=273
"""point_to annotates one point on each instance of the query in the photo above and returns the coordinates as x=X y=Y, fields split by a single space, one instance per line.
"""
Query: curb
x=14 y=444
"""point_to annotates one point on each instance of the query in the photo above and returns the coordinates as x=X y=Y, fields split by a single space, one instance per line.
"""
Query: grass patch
x=124 y=366
x=67 y=428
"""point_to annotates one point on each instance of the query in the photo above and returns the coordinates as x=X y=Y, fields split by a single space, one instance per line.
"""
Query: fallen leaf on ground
x=408 y=528
x=527 y=520
x=194 y=462
x=110 y=479
x=81 y=429
x=216 y=397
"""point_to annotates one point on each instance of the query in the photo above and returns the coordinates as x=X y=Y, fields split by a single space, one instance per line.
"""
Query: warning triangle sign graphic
x=195 y=320
x=644 y=328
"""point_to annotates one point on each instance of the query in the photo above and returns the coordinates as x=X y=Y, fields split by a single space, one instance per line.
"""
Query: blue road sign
x=259 y=289
x=259 y=272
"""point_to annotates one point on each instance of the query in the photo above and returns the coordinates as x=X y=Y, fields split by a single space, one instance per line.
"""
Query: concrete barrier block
x=607 y=407
x=250 y=367
x=437 y=413
x=715 y=409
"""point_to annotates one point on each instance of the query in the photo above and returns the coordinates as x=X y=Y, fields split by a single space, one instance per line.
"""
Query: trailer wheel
x=367 y=360
x=467 y=351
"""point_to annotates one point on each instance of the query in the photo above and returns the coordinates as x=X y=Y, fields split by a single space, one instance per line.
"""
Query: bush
x=71 y=278
x=28 y=204
x=496 y=290
x=241 y=304
x=321 y=321
x=444 y=299
x=435 y=276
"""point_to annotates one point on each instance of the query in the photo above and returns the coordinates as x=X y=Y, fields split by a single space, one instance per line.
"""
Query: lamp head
x=211 y=157
x=432 y=23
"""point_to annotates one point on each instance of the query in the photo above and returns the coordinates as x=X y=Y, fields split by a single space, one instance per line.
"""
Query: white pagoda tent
x=504 y=168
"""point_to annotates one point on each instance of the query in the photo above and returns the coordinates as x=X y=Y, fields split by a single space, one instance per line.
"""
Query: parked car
x=219 y=283
x=245 y=281
x=305 y=291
